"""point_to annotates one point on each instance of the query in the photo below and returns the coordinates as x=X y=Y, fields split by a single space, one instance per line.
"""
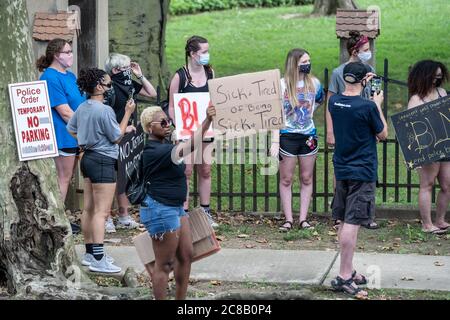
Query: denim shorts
x=159 y=218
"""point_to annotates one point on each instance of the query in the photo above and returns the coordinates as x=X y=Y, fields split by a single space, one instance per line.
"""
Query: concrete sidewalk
x=398 y=271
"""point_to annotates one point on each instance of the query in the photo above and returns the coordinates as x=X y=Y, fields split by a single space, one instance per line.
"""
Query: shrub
x=178 y=7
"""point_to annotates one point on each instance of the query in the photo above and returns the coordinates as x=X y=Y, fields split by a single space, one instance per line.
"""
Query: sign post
x=32 y=117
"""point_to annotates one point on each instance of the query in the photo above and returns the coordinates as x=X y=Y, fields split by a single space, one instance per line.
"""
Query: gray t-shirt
x=337 y=83
x=96 y=128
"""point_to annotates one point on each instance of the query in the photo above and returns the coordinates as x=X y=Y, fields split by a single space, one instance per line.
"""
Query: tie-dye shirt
x=300 y=118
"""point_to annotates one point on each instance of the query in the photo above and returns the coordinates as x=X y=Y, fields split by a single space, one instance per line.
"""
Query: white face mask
x=365 y=56
x=204 y=59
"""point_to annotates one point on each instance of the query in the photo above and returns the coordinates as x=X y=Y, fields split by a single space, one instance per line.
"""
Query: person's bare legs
x=64 y=170
x=306 y=168
x=183 y=261
x=103 y=194
x=427 y=177
x=123 y=203
x=443 y=198
x=165 y=251
x=348 y=237
x=88 y=212
x=287 y=167
x=188 y=172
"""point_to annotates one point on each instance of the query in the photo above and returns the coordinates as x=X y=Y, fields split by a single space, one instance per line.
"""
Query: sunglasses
x=108 y=85
x=164 y=123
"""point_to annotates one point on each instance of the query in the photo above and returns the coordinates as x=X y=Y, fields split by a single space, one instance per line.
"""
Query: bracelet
x=141 y=77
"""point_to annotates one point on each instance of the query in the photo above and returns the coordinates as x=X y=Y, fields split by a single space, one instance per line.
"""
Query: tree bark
x=37 y=256
x=329 y=7
x=137 y=29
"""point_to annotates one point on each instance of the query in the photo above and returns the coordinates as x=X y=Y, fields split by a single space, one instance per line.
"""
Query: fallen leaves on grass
x=262 y=240
x=249 y=246
x=220 y=238
x=332 y=233
x=243 y=236
x=215 y=282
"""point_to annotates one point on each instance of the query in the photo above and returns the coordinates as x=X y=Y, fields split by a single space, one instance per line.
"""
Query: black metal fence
x=241 y=187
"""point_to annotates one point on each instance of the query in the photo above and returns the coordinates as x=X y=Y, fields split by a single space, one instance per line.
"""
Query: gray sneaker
x=104 y=266
x=89 y=258
x=210 y=218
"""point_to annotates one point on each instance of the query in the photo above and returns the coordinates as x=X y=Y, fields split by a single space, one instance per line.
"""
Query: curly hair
x=355 y=37
x=89 y=78
x=54 y=47
x=422 y=75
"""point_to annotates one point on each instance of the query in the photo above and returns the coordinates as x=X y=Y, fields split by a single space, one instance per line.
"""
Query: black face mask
x=123 y=78
x=438 y=82
x=109 y=97
x=305 y=68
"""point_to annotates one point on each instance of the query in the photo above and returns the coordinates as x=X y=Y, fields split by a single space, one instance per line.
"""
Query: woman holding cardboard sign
x=302 y=93
x=162 y=210
x=424 y=84
x=193 y=77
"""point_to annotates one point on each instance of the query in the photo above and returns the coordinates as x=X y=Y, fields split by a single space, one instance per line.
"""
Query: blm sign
x=423 y=132
x=131 y=148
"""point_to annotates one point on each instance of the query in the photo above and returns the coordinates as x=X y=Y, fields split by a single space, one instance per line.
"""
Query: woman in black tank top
x=193 y=77
x=424 y=83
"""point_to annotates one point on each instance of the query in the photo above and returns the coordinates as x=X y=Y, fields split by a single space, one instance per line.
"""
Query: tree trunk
x=37 y=256
x=137 y=29
x=329 y=7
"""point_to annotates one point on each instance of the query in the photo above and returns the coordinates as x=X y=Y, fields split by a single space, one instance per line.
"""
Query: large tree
x=329 y=7
x=137 y=29
x=37 y=256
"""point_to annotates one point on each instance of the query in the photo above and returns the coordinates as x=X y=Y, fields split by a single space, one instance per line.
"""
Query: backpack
x=181 y=86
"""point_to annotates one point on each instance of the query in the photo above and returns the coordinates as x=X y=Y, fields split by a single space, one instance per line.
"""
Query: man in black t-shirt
x=357 y=123
x=121 y=68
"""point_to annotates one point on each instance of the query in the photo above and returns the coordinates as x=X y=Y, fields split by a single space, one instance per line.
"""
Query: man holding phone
x=357 y=124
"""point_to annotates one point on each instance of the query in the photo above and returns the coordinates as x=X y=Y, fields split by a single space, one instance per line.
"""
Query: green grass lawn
x=249 y=40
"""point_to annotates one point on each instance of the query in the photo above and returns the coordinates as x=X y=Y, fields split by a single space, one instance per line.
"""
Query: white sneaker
x=89 y=258
x=104 y=266
x=210 y=218
x=127 y=223
x=109 y=226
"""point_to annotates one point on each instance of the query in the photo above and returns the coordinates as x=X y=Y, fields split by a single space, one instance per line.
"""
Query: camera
x=375 y=85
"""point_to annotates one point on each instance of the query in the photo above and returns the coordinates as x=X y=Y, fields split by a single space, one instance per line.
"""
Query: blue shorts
x=159 y=218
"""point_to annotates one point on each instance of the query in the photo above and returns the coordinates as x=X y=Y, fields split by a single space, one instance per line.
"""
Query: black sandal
x=286 y=229
x=336 y=224
x=303 y=222
x=345 y=286
x=359 y=282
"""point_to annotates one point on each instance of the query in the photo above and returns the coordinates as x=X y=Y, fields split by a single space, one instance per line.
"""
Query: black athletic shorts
x=298 y=145
x=98 y=168
x=354 y=202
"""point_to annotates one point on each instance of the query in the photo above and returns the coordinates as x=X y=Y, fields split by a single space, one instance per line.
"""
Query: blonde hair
x=291 y=76
x=116 y=60
x=147 y=116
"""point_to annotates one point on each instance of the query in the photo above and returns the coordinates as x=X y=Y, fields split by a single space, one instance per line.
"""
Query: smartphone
x=375 y=85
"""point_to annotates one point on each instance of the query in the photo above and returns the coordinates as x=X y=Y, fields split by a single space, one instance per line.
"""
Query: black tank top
x=188 y=87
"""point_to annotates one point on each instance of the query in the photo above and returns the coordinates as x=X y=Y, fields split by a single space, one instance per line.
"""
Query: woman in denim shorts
x=162 y=210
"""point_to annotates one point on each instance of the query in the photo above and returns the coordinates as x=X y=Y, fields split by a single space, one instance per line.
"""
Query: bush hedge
x=178 y=7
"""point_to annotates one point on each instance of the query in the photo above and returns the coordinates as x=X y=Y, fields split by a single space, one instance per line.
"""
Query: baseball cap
x=354 y=72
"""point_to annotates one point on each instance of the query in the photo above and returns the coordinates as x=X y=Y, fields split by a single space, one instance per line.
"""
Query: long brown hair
x=421 y=77
x=55 y=46
x=193 y=45
x=291 y=76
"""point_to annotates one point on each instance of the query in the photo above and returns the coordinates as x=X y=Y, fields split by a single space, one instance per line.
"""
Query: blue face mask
x=204 y=59
x=365 y=56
